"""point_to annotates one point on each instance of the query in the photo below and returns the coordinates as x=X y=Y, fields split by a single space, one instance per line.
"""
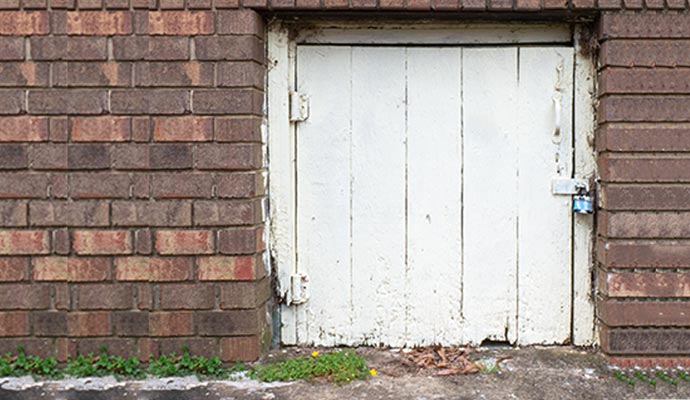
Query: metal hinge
x=299 y=107
x=567 y=186
x=299 y=289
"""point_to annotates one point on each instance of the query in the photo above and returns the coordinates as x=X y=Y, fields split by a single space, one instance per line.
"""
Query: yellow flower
x=373 y=372
x=314 y=353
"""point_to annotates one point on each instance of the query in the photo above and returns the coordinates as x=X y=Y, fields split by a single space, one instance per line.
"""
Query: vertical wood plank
x=544 y=219
x=378 y=195
x=489 y=193
x=434 y=165
x=323 y=192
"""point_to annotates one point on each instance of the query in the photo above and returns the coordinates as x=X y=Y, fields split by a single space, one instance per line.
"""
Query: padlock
x=583 y=204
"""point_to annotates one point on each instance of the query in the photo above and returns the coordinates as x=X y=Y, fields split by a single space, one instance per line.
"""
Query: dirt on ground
x=505 y=373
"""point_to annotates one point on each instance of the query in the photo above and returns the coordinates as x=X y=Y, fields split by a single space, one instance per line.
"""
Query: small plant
x=662 y=375
x=619 y=375
x=682 y=375
x=23 y=364
x=338 y=366
x=187 y=364
x=487 y=366
x=644 y=378
x=103 y=365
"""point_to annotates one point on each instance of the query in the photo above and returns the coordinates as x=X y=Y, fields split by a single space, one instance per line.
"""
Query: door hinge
x=299 y=107
x=567 y=186
x=299 y=289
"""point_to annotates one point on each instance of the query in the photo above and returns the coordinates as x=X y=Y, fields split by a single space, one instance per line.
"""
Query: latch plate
x=568 y=186
x=299 y=107
x=299 y=288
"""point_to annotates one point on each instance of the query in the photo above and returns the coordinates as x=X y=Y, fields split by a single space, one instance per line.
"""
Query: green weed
x=103 y=365
x=338 y=366
x=187 y=364
x=23 y=364
x=619 y=375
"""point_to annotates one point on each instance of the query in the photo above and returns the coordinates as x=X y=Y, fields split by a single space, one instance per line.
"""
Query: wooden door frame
x=282 y=41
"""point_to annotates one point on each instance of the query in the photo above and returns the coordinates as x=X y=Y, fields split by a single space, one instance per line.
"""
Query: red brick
x=88 y=324
x=645 y=53
x=555 y=4
x=14 y=324
x=184 y=242
x=99 y=186
x=141 y=131
x=59 y=129
x=648 y=342
x=143 y=243
x=244 y=295
x=23 y=129
x=500 y=4
x=238 y=129
x=26 y=74
x=162 y=74
x=227 y=213
x=72 y=269
x=103 y=23
x=241 y=22
x=644 y=284
x=644 y=254
x=102 y=242
x=242 y=348
x=227 y=323
x=24 y=242
x=644 y=137
x=418 y=5
x=147 y=347
x=62 y=298
x=644 y=169
x=180 y=22
x=105 y=297
x=83 y=213
x=171 y=4
x=100 y=129
x=61 y=241
x=228 y=268
x=161 y=213
x=643 y=313
x=13 y=269
x=24 y=297
x=182 y=129
x=218 y=156
x=239 y=185
x=24 y=23
x=155 y=269
x=187 y=297
x=177 y=323
x=182 y=185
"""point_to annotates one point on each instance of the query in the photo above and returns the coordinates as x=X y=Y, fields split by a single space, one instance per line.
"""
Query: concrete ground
x=528 y=373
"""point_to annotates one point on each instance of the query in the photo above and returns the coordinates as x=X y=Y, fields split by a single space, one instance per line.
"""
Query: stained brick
x=14 y=324
x=59 y=129
x=643 y=313
x=228 y=101
x=25 y=74
x=644 y=81
x=162 y=74
x=184 y=242
x=228 y=268
x=76 y=74
x=32 y=346
x=237 y=129
x=11 y=101
x=115 y=346
x=61 y=241
x=206 y=347
x=644 y=137
x=88 y=324
x=644 y=254
x=180 y=23
x=228 y=156
x=88 y=156
x=14 y=269
x=155 y=269
x=82 y=213
x=13 y=156
x=238 y=185
x=177 y=323
x=71 y=269
x=644 y=224
x=101 y=242
x=229 y=48
x=103 y=23
x=52 y=323
x=131 y=156
x=182 y=185
x=644 y=169
x=645 y=341
x=141 y=131
x=226 y=323
x=241 y=348
x=48 y=156
x=149 y=101
x=170 y=156
x=645 y=53
x=241 y=22
x=135 y=323
x=182 y=129
x=187 y=297
x=68 y=48
x=244 y=295
x=24 y=23
x=99 y=186
x=227 y=213
x=105 y=296
x=645 y=198
x=62 y=101
x=19 y=242
x=151 y=48
x=644 y=284
x=632 y=25
x=23 y=129
x=144 y=213
x=24 y=297
x=240 y=241
x=143 y=243
x=100 y=129
x=11 y=48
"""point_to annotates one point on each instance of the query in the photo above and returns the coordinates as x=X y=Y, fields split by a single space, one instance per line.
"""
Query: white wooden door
x=424 y=211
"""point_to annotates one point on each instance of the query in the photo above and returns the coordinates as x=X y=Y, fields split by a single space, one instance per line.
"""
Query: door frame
x=282 y=41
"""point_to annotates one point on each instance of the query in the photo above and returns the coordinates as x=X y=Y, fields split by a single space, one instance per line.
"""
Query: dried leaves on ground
x=446 y=360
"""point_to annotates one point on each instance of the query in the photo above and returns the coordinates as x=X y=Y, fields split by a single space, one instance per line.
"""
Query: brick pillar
x=132 y=180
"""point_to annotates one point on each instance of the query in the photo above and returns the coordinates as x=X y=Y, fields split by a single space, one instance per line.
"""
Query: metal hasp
x=299 y=107
x=299 y=289
x=568 y=186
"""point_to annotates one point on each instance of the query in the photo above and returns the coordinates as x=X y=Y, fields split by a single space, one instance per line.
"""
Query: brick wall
x=131 y=179
x=643 y=249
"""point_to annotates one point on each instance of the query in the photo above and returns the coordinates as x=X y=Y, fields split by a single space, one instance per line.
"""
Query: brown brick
x=633 y=4
x=645 y=342
x=675 y=4
x=88 y=324
x=134 y=323
x=11 y=48
x=645 y=224
x=24 y=297
x=654 y=4
x=59 y=129
x=149 y=101
x=170 y=156
x=644 y=169
x=61 y=241
x=171 y=4
x=77 y=74
x=239 y=295
x=241 y=22
x=100 y=129
x=647 y=254
x=241 y=74
x=143 y=243
x=230 y=48
x=418 y=5
x=151 y=48
x=226 y=323
x=48 y=156
x=644 y=81
x=24 y=23
x=584 y=4
x=177 y=323
x=155 y=269
x=241 y=348
x=182 y=185
x=182 y=129
x=187 y=297
x=500 y=4
x=140 y=186
x=68 y=48
x=102 y=242
x=99 y=186
x=645 y=109
x=13 y=156
x=228 y=101
x=643 y=313
x=104 y=23
x=15 y=242
x=162 y=74
x=227 y=3
x=20 y=185
x=644 y=137
x=51 y=323
x=645 y=53
x=23 y=129
x=62 y=298
x=62 y=101
x=89 y=4
x=105 y=297
x=184 y=242
x=141 y=131
x=227 y=213
x=641 y=198
x=180 y=23
x=58 y=185
x=26 y=74
x=238 y=129
x=240 y=241
x=144 y=213
x=88 y=156
x=14 y=324
x=651 y=25
x=14 y=269
x=82 y=213
x=239 y=185
x=228 y=268
x=114 y=346
x=206 y=347
x=130 y=157
x=555 y=4
x=32 y=346
x=13 y=213
x=609 y=4
x=329 y=4
x=198 y=4
x=228 y=156
x=644 y=284
x=12 y=101
x=71 y=269
x=473 y=5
